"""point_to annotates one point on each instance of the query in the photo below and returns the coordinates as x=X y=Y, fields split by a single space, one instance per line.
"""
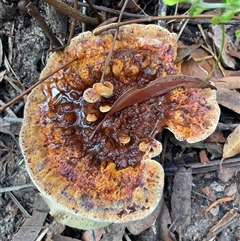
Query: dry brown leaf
x=229 y=99
x=139 y=226
x=233 y=51
x=163 y=222
x=115 y=232
x=32 y=226
x=206 y=62
x=192 y=68
x=217 y=136
x=228 y=82
x=185 y=50
x=203 y=157
x=232 y=145
x=223 y=223
x=216 y=35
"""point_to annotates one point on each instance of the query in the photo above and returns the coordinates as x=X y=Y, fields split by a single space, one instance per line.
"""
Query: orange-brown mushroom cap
x=111 y=176
x=193 y=113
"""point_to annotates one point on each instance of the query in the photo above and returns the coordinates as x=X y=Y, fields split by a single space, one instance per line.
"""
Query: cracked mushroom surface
x=109 y=177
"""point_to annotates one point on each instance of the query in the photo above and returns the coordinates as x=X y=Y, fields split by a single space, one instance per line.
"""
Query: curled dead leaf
x=229 y=99
x=232 y=145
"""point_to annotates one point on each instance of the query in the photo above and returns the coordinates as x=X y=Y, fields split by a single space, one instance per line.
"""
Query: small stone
x=232 y=190
x=226 y=174
x=217 y=187
x=214 y=211
x=209 y=193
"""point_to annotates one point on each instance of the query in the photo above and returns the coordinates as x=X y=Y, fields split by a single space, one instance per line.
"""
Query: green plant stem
x=205 y=5
x=219 y=55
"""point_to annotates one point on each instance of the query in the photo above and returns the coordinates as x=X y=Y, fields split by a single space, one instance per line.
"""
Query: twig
x=92 y=235
x=126 y=237
x=224 y=222
x=200 y=168
x=16 y=188
x=182 y=28
x=180 y=232
x=95 y=12
x=33 y=86
x=42 y=234
x=32 y=10
x=19 y=205
x=162 y=9
x=12 y=84
x=152 y=19
x=114 y=11
x=8 y=110
x=221 y=200
x=73 y=24
x=215 y=57
x=84 y=10
x=10 y=43
x=222 y=126
x=64 y=8
x=113 y=43
x=7 y=64
x=201 y=195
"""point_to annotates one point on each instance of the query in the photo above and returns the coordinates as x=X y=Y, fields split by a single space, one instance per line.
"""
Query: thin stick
x=152 y=19
x=8 y=65
x=73 y=24
x=215 y=57
x=182 y=28
x=64 y=8
x=113 y=43
x=95 y=12
x=18 y=204
x=126 y=237
x=32 y=10
x=221 y=200
x=114 y=11
x=92 y=235
x=33 y=86
x=16 y=188
x=222 y=126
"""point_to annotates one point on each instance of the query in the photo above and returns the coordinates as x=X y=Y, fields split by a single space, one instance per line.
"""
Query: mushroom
x=104 y=89
x=91 y=180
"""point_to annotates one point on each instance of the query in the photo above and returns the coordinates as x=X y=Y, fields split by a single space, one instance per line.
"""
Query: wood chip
x=229 y=99
x=223 y=223
x=181 y=197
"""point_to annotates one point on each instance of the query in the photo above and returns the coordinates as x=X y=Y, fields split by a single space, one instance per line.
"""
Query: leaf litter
x=197 y=64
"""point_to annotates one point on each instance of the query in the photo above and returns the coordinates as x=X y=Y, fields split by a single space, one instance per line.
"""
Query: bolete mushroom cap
x=103 y=178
